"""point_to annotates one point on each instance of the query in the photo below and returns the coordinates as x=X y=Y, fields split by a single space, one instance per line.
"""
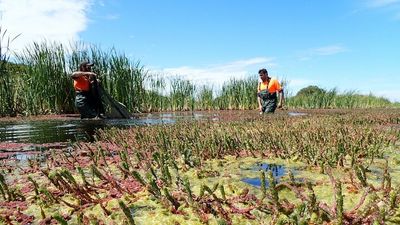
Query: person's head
x=263 y=74
x=86 y=66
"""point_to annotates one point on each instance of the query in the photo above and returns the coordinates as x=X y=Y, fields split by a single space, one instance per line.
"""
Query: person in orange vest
x=267 y=93
x=87 y=99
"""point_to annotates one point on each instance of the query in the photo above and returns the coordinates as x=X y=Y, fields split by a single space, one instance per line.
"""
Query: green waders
x=84 y=103
x=269 y=101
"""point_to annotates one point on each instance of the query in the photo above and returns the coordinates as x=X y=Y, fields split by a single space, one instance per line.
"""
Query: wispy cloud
x=322 y=51
x=51 y=20
x=329 y=50
x=382 y=3
x=300 y=83
x=295 y=84
x=388 y=6
x=392 y=95
x=218 y=74
x=112 y=16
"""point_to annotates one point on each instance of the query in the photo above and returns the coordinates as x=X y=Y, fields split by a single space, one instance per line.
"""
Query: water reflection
x=277 y=171
x=71 y=130
x=296 y=114
x=52 y=131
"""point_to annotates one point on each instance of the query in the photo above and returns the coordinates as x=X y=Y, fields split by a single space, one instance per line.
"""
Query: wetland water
x=71 y=129
x=51 y=131
x=277 y=171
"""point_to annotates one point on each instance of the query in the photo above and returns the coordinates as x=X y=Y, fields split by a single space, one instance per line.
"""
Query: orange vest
x=82 y=83
x=272 y=86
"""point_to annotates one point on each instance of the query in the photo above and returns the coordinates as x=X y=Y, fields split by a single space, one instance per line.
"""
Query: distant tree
x=311 y=90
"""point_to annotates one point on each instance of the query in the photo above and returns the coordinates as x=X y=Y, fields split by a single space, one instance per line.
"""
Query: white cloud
x=392 y=95
x=300 y=83
x=295 y=84
x=329 y=50
x=38 y=20
x=112 y=17
x=322 y=51
x=387 y=6
x=381 y=3
x=216 y=75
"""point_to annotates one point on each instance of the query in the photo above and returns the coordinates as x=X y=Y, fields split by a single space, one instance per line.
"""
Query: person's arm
x=81 y=73
x=281 y=98
x=258 y=98
x=259 y=103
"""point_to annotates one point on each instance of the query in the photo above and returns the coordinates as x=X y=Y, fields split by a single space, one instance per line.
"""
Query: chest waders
x=97 y=102
x=269 y=101
x=83 y=101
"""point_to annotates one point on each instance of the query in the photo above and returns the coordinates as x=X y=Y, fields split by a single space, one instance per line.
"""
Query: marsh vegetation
x=341 y=168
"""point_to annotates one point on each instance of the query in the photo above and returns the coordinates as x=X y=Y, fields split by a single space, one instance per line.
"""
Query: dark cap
x=263 y=71
x=86 y=63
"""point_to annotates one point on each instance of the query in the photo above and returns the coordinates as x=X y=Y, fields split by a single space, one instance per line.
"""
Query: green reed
x=182 y=95
x=205 y=98
x=8 y=79
x=334 y=99
x=47 y=86
x=238 y=94
x=39 y=82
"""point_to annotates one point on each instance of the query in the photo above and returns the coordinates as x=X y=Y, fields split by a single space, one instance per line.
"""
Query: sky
x=351 y=45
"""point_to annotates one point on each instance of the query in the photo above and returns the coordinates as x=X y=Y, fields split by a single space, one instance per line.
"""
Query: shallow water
x=74 y=129
x=296 y=114
x=51 y=131
x=278 y=171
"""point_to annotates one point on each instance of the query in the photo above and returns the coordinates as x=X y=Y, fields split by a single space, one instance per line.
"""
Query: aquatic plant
x=192 y=171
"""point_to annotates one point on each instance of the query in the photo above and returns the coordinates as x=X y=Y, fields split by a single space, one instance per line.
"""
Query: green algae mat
x=339 y=167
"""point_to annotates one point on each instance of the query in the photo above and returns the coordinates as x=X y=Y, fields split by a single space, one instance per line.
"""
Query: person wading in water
x=87 y=99
x=267 y=93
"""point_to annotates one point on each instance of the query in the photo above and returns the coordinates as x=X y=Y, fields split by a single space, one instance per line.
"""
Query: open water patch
x=278 y=171
x=51 y=131
x=297 y=114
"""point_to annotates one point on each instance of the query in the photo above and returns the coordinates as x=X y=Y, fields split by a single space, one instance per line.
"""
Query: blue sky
x=347 y=44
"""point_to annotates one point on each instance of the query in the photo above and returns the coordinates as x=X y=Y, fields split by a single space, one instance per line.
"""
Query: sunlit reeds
x=333 y=99
x=39 y=82
x=9 y=79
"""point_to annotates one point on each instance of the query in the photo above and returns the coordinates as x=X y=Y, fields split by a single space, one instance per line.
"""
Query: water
x=52 y=131
x=72 y=129
x=296 y=114
x=277 y=171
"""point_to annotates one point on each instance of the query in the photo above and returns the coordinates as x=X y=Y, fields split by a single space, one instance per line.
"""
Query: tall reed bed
x=40 y=83
x=333 y=99
x=8 y=80
x=182 y=95
x=238 y=94
x=46 y=85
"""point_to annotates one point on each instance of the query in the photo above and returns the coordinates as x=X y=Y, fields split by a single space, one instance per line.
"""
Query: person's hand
x=260 y=108
x=280 y=105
